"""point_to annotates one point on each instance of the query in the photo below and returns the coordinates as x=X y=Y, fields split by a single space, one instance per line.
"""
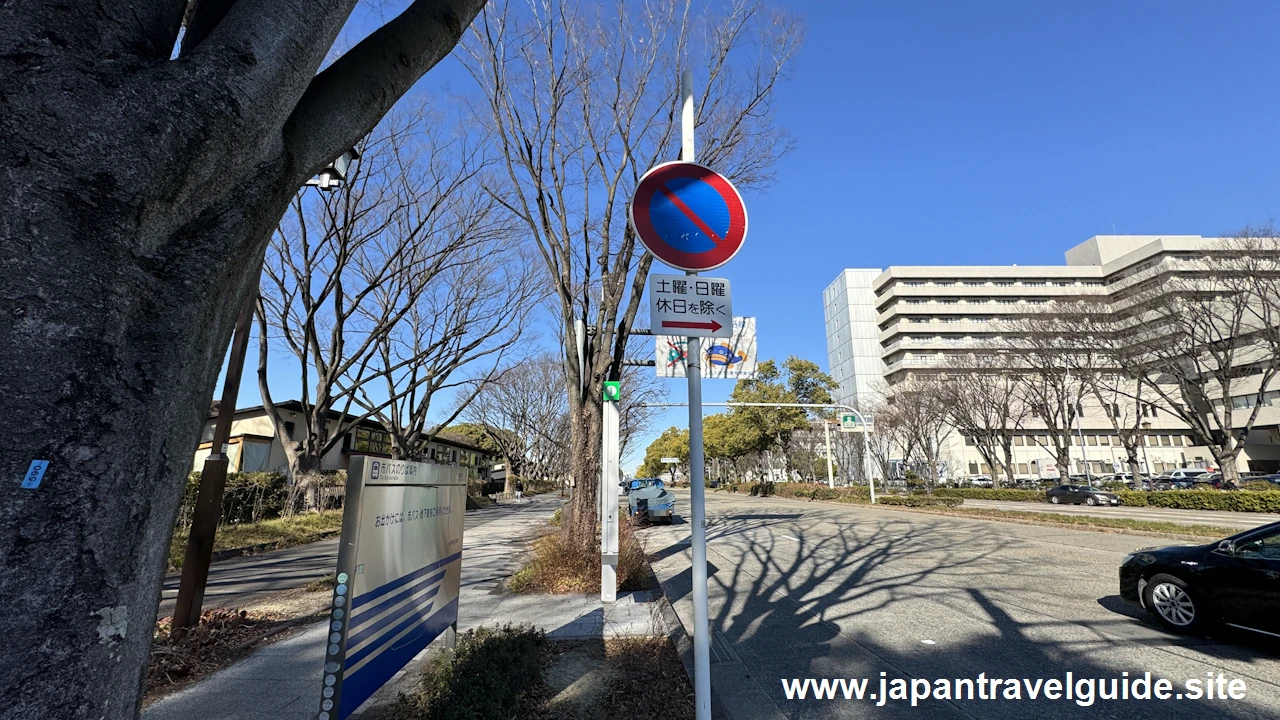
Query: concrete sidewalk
x=282 y=681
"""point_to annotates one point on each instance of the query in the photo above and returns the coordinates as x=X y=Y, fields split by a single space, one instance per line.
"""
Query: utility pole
x=213 y=480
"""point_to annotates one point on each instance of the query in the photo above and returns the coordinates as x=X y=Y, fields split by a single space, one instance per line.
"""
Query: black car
x=1235 y=582
x=1076 y=494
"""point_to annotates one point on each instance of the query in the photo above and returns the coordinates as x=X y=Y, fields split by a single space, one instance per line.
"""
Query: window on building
x=1177 y=441
x=1190 y=441
x=1104 y=439
x=1115 y=440
x=1043 y=440
x=973 y=468
x=969 y=440
x=1093 y=439
x=371 y=441
x=1164 y=440
x=1004 y=283
x=986 y=470
x=1023 y=469
x=1018 y=440
x=289 y=427
x=1033 y=283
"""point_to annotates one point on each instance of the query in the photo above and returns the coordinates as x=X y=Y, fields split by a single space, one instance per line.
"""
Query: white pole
x=609 y=503
x=697 y=493
x=866 y=460
x=831 y=477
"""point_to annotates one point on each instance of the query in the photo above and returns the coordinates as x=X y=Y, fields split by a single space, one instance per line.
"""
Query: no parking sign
x=689 y=216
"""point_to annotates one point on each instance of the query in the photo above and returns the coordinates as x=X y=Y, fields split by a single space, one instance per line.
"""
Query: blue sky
x=984 y=132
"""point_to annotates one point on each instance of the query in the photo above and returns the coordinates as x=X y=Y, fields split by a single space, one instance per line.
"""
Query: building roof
x=451 y=438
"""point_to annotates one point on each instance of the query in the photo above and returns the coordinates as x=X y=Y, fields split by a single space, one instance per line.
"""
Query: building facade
x=928 y=318
x=254 y=447
x=853 y=346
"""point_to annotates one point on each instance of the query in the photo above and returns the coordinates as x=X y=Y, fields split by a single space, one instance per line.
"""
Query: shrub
x=492 y=673
x=1134 y=498
x=764 y=489
x=1237 y=500
x=1259 y=486
x=920 y=501
x=246 y=497
x=819 y=491
x=1012 y=494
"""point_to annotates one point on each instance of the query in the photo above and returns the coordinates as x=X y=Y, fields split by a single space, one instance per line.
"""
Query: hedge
x=920 y=500
x=247 y=497
x=1235 y=500
x=991 y=494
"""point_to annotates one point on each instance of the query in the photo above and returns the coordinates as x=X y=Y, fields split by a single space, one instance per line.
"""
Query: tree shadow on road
x=923 y=598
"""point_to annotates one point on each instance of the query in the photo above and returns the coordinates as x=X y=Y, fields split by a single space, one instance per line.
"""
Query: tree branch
x=345 y=101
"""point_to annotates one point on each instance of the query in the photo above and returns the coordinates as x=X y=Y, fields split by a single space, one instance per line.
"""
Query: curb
x=760 y=704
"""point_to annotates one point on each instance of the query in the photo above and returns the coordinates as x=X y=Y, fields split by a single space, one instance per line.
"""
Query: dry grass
x=222 y=637
x=276 y=534
x=557 y=567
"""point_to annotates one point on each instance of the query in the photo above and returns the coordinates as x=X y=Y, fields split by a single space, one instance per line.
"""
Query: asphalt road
x=237 y=581
x=1217 y=518
x=801 y=590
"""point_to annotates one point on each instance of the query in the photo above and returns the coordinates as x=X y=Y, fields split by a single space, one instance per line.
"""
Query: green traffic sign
x=612 y=390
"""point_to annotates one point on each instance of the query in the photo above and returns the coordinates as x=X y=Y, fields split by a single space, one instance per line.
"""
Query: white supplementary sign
x=690 y=306
x=731 y=358
x=670 y=460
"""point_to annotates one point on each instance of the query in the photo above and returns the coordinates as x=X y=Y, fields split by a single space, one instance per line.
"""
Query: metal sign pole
x=697 y=493
x=831 y=477
x=609 y=501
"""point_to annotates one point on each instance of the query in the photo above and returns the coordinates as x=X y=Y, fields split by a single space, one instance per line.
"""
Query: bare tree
x=1199 y=331
x=920 y=403
x=146 y=167
x=582 y=98
x=383 y=288
x=889 y=439
x=1051 y=367
x=524 y=411
x=981 y=398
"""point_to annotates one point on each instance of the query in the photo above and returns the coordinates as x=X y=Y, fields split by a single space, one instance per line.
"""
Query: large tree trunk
x=584 y=467
x=109 y=355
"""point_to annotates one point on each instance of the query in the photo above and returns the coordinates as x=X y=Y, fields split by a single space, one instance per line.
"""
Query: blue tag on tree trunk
x=35 y=474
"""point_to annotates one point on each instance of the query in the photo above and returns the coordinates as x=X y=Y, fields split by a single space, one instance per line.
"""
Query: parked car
x=1273 y=478
x=1187 y=473
x=1076 y=494
x=1235 y=581
x=1166 y=481
x=981 y=481
x=651 y=501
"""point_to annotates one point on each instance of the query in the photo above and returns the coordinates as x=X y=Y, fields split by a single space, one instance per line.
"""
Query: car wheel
x=1091 y=501
x=1172 y=603
x=1054 y=499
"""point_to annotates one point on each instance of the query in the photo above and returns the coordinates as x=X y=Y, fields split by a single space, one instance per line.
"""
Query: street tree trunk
x=584 y=468
x=139 y=195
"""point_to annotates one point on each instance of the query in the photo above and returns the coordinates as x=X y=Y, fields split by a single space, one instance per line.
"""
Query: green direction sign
x=849 y=423
x=612 y=391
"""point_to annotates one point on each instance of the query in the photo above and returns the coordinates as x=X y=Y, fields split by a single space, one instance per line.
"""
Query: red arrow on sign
x=712 y=326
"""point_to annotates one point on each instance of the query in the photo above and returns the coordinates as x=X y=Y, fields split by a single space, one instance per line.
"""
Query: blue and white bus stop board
x=399 y=567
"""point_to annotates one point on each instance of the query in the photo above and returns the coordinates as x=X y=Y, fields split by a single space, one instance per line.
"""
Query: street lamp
x=335 y=173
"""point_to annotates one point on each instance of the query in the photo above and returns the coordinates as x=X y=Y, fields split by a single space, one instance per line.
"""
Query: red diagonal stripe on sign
x=689 y=213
